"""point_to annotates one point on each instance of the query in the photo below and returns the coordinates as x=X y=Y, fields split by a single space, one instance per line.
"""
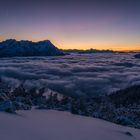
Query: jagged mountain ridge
x=11 y=48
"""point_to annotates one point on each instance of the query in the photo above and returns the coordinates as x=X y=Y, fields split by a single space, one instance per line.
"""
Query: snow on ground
x=55 y=125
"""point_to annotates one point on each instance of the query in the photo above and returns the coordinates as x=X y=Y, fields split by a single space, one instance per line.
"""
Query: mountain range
x=12 y=48
x=89 y=51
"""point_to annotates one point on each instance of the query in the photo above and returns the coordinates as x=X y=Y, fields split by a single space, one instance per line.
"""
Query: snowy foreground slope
x=55 y=125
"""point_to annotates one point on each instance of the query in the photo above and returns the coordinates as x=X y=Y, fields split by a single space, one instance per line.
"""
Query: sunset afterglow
x=99 y=24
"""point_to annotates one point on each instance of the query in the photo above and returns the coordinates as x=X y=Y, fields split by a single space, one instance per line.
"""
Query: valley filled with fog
x=75 y=74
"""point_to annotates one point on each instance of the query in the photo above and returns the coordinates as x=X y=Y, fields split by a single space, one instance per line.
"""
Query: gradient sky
x=80 y=24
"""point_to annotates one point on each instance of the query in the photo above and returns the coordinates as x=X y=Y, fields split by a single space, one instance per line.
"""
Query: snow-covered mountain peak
x=11 y=47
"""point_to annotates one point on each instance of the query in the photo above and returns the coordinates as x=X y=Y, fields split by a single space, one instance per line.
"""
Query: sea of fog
x=86 y=74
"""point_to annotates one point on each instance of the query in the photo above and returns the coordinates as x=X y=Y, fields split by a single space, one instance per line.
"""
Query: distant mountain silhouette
x=137 y=55
x=11 y=48
x=87 y=51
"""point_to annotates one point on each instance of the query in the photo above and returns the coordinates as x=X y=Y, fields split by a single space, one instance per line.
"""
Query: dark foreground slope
x=11 y=48
x=126 y=97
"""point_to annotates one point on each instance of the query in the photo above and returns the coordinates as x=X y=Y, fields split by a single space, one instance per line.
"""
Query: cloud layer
x=73 y=74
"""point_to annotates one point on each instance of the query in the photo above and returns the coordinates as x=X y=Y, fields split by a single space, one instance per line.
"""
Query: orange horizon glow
x=65 y=44
x=119 y=47
x=114 y=47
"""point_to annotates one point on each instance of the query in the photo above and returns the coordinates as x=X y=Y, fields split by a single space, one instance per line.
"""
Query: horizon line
x=116 y=50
